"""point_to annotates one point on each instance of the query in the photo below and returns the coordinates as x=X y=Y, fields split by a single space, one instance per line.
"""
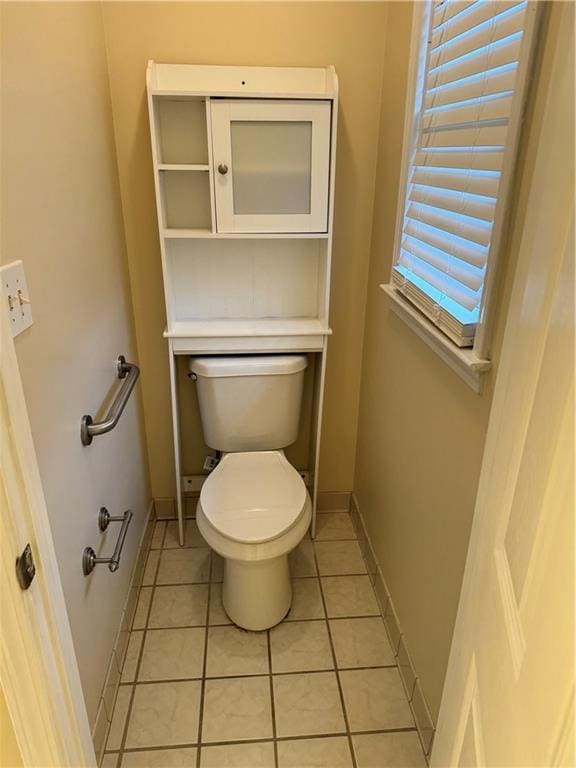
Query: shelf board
x=248 y=327
x=182 y=167
x=194 y=234
x=197 y=80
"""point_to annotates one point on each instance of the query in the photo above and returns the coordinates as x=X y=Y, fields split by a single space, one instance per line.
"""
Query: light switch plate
x=15 y=296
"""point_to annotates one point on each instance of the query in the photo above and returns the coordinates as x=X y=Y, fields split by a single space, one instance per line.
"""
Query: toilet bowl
x=254 y=507
x=253 y=510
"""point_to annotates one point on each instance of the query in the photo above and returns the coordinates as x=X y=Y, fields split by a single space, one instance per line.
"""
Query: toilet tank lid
x=247 y=365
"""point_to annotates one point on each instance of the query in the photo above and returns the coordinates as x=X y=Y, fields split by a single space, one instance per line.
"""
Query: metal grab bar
x=88 y=428
x=89 y=559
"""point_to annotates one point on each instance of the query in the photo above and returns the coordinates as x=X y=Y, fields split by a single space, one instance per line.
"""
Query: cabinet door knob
x=223 y=169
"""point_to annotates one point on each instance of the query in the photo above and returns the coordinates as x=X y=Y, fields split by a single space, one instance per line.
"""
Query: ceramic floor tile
x=160 y=758
x=307 y=704
x=180 y=606
x=116 y=731
x=388 y=750
x=110 y=760
x=349 y=596
x=301 y=560
x=180 y=566
x=142 y=606
x=217 y=573
x=217 y=613
x=339 y=558
x=258 y=755
x=164 y=714
x=331 y=526
x=192 y=536
x=132 y=656
x=172 y=654
x=158 y=535
x=361 y=643
x=306 y=600
x=233 y=652
x=300 y=646
x=151 y=566
x=375 y=700
x=332 y=752
x=237 y=709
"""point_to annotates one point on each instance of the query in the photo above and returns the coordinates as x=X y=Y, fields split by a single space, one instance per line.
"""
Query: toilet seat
x=253 y=497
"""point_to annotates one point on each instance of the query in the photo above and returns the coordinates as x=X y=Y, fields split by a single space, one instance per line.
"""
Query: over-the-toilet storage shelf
x=244 y=163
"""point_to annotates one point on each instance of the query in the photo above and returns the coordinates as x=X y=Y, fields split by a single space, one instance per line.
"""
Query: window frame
x=473 y=362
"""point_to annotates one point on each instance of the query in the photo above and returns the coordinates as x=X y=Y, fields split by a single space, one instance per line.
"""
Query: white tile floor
x=320 y=690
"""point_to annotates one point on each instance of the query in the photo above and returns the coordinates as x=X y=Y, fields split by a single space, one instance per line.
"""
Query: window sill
x=464 y=362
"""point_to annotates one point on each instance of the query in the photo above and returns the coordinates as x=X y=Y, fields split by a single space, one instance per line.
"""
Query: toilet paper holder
x=89 y=559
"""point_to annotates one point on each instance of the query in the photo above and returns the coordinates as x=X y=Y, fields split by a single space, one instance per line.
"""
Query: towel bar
x=89 y=559
x=88 y=428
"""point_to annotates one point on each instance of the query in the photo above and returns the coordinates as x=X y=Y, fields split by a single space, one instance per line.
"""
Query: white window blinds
x=468 y=86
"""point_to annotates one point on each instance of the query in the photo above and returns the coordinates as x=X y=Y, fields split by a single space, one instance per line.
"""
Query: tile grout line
x=272 y=703
x=204 y=664
x=306 y=737
x=334 y=661
x=256 y=674
x=231 y=624
x=204 y=546
x=312 y=576
x=140 y=654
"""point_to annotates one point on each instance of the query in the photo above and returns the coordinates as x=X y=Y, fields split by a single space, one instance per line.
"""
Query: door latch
x=25 y=568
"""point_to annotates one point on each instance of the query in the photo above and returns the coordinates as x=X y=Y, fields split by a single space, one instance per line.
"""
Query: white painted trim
x=38 y=668
x=464 y=362
x=484 y=329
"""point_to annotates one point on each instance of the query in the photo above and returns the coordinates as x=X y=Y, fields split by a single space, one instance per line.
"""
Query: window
x=470 y=61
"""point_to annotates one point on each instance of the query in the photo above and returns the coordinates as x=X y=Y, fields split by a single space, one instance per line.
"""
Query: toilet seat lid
x=253 y=497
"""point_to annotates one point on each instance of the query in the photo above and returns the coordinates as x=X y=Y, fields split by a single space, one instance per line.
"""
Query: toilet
x=254 y=507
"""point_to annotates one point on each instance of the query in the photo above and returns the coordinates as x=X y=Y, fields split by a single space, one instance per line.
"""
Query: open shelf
x=245 y=280
x=262 y=326
x=182 y=136
x=183 y=167
x=186 y=200
x=191 y=234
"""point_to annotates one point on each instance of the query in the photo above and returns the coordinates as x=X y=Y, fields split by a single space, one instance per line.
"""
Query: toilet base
x=257 y=594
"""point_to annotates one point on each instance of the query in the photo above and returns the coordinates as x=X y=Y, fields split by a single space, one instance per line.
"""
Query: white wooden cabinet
x=272 y=163
x=244 y=162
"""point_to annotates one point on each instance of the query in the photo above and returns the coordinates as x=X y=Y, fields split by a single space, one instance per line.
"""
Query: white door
x=38 y=671
x=508 y=698
x=271 y=165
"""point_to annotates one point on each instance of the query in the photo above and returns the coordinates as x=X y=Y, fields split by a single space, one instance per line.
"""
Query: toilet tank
x=249 y=403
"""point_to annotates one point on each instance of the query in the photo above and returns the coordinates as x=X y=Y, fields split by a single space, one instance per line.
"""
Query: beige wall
x=348 y=35
x=421 y=429
x=61 y=215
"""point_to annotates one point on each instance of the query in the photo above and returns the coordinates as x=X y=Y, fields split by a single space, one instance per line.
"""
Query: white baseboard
x=112 y=681
x=410 y=680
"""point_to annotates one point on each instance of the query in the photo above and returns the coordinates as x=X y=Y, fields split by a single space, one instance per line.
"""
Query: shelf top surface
x=240 y=81
x=235 y=327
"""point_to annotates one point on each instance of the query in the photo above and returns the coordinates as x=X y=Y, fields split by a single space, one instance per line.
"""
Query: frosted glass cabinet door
x=272 y=161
